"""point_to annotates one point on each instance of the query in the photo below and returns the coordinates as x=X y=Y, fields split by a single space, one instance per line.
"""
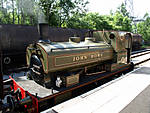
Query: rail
x=140 y=54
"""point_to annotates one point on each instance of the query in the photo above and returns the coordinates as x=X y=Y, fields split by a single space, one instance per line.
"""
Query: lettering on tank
x=85 y=57
x=71 y=59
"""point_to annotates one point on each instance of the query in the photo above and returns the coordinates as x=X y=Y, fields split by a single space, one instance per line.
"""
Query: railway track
x=140 y=53
x=140 y=57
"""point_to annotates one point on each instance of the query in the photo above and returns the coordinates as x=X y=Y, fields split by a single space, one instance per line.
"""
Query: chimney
x=43 y=30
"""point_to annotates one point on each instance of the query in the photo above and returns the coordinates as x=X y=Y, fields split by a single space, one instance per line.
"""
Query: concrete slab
x=141 y=104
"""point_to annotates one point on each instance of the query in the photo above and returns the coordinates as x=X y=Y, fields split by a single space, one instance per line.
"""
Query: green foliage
x=18 y=12
x=89 y=21
x=59 y=11
x=118 y=21
x=121 y=22
x=144 y=28
x=3 y=17
x=122 y=10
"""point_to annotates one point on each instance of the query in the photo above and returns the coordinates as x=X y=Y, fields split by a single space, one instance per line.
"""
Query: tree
x=122 y=9
x=121 y=23
x=89 y=21
x=13 y=11
x=121 y=19
x=18 y=12
x=59 y=11
x=144 y=28
x=4 y=12
x=27 y=11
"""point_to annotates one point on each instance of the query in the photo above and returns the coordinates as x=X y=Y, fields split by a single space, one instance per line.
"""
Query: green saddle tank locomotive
x=63 y=64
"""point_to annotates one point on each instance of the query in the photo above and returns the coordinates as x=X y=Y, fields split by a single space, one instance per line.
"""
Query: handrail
x=77 y=47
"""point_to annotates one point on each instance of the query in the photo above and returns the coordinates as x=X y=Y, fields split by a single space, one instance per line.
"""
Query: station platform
x=127 y=94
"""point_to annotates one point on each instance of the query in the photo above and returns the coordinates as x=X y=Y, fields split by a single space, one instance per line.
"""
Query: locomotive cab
x=122 y=43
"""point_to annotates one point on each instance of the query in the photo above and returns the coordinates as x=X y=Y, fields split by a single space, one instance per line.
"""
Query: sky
x=104 y=6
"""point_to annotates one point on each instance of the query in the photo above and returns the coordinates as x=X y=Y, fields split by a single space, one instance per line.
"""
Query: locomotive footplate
x=44 y=98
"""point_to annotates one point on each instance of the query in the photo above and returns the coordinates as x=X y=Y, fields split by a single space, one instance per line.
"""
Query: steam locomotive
x=137 y=42
x=63 y=64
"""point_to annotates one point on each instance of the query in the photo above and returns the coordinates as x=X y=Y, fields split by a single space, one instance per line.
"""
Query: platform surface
x=120 y=95
x=141 y=104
